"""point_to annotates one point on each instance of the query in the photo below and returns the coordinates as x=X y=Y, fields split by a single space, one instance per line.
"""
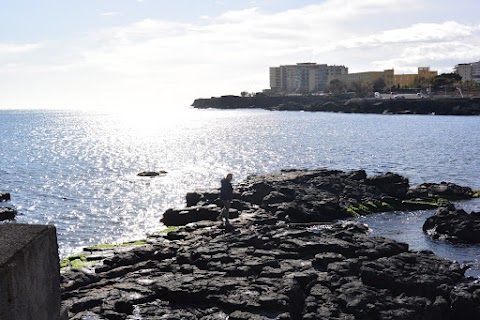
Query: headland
x=437 y=105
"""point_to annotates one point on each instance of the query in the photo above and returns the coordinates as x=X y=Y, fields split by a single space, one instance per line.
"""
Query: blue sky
x=154 y=54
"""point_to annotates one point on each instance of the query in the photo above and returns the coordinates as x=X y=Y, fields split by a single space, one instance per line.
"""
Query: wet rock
x=268 y=272
x=7 y=213
x=275 y=262
x=180 y=217
x=444 y=190
x=391 y=184
x=193 y=198
x=151 y=173
x=453 y=225
x=321 y=195
x=358 y=175
x=465 y=301
x=4 y=196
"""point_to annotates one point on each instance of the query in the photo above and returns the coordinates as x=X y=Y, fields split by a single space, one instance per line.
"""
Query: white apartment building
x=464 y=70
x=303 y=77
x=476 y=72
x=469 y=71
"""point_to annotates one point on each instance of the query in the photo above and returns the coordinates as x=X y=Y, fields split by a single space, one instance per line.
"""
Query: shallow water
x=78 y=170
x=407 y=227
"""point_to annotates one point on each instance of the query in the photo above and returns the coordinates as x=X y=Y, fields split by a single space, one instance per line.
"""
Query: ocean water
x=407 y=227
x=78 y=170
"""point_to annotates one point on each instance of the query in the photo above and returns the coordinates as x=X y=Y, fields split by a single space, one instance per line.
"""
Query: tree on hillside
x=421 y=82
x=445 y=80
x=361 y=88
x=379 y=85
x=336 y=86
x=471 y=85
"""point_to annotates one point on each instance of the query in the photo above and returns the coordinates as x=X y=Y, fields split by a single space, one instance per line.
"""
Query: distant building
x=469 y=71
x=426 y=72
x=368 y=76
x=464 y=70
x=412 y=80
x=303 y=78
x=476 y=72
x=310 y=77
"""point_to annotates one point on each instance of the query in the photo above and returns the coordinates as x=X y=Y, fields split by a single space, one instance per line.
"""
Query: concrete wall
x=29 y=273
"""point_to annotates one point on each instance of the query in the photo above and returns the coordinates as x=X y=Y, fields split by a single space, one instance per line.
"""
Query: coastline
x=437 y=106
x=270 y=267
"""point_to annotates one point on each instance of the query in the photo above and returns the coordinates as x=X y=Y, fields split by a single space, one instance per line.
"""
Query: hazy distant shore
x=437 y=106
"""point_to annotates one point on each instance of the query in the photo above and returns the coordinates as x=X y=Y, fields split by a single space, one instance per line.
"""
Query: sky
x=156 y=54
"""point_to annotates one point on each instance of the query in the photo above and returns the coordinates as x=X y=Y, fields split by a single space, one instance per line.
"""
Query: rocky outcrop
x=4 y=196
x=193 y=214
x=319 y=196
x=151 y=173
x=271 y=271
x=439 y=106
x=453 y=225
x=6 y=213
x=444 y=189
x=275 y=263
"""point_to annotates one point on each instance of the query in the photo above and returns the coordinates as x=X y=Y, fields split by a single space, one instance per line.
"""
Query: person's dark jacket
x=226 y=190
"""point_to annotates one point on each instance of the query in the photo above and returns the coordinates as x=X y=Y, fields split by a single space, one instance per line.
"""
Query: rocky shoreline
x=322 y=195
x=282 y=259
x=438 y=106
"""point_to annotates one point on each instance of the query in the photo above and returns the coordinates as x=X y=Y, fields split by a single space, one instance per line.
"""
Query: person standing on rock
x=226 y=195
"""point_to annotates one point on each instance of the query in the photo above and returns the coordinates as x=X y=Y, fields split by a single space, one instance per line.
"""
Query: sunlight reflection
x=79 y=170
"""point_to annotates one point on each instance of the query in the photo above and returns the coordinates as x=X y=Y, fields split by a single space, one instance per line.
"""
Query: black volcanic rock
x=444 y=189
x=390 y=183
x=306 y=196
x=4 y=196
x=439 y=106
x=270 y=272
x=151 y=173
x=269 y=266
x=7 y=213
x=180 y=217
x=453 y=225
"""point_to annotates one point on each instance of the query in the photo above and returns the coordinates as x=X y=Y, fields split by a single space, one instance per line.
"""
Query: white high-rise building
x=464 y=70
x=303 y=77
x=476 y=72
x=469 y=71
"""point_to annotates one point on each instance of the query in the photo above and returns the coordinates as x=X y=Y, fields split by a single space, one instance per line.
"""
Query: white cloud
x=110 y=13
x=427 y=54
x=421 y=32
x=149 y=61
x=240 y=15
x=8 y=48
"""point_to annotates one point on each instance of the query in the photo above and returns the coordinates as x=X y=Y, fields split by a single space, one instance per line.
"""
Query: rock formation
x=439 y=106
x=319 y=196
x=4 y=196
x=453 y=225
x=6 y=213
x=278 y=262
x=151 y=173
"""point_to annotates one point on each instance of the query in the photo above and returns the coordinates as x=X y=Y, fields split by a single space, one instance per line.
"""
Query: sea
x=78 y=170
